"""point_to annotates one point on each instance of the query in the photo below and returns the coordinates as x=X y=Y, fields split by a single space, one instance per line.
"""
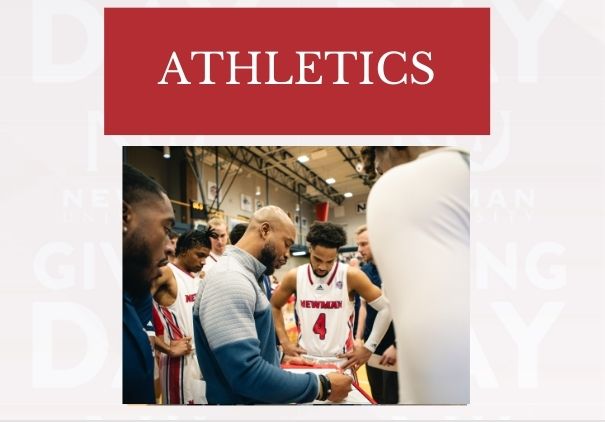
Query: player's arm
x=389 y=357
x=162 y=280
x=279 y=298
x=373 y=296
x=361 y=321
x=176 y=348
x=165 y=289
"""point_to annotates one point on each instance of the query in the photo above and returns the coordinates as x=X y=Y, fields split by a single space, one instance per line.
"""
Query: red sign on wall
x=297 y=71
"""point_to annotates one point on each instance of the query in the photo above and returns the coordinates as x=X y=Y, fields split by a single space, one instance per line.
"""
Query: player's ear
x=127 y=215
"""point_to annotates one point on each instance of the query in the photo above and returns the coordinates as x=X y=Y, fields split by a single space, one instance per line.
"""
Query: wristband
x=320 y=389
x=326 y=386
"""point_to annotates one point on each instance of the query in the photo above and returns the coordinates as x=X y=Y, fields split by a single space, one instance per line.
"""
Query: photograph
x=212 y=191
x=342 y=350
x=246 y=202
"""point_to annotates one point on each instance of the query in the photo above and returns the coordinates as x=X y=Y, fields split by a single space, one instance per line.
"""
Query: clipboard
x=356 y=396
x=374 y=362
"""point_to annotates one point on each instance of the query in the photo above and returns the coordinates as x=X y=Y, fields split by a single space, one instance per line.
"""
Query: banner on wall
x=322 y=210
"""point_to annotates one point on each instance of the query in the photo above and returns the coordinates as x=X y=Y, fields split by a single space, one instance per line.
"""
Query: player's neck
x=181 y=267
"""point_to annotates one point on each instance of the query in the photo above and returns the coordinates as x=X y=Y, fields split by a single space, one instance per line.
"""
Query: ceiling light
x=348 y=194
x=166 y=152
x=299 y=250
x=322 y=153
x=330 y=181
x=302 y=158
x=258 y=191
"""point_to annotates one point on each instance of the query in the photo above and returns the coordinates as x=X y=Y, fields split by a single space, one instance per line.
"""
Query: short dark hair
x=237 y=232
x=368 y=158
x=328 y=235
x=193 y=239
x=137 y=186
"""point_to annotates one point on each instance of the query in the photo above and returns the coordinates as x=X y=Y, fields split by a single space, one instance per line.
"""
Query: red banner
x=297 y=71
x=322 y=211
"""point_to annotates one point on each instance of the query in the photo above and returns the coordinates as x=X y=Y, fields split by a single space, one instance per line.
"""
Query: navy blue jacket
x=137 y=357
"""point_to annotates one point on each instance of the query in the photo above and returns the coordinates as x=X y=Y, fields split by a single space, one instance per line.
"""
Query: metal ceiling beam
x=281 y=157
x=247 y=157
x=351 y=157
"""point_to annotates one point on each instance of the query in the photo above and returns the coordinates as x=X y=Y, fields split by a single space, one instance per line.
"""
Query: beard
x=268 y=256
x=137 y=267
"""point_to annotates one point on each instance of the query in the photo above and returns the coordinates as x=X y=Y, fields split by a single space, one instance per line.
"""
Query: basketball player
x=219 y=226
x=325 y=290
x=174 y=293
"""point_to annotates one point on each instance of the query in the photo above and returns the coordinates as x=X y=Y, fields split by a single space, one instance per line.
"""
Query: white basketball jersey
x=181 y=377
x=324 y=311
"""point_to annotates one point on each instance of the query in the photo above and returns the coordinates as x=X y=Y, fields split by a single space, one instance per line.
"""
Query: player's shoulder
x=356 y=275
x=166 y=275
x=353 y=271
x=292 y=274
